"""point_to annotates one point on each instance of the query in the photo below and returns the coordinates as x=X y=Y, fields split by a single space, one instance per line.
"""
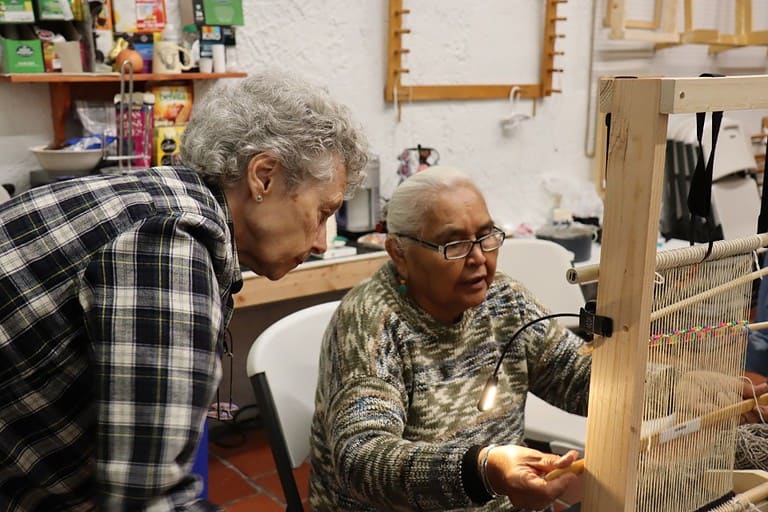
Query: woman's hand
x=518 y=472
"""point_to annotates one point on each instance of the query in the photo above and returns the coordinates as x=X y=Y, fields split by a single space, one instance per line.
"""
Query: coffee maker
x=361 y=213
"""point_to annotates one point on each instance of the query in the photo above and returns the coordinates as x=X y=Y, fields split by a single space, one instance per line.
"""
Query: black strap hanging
x=762 y=219
x=700 y=192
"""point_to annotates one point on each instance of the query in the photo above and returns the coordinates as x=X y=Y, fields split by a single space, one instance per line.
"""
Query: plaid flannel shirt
x=115 y=293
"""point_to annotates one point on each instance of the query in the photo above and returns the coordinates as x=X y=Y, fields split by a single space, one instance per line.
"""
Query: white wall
x=342 y=44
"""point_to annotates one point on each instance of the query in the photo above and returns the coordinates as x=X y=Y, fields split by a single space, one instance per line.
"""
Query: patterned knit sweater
x=396 y=404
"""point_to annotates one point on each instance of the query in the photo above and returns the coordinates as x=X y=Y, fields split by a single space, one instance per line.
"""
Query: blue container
x=200 y=466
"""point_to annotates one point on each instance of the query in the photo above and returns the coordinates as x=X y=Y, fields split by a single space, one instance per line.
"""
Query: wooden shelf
x=65 y=87
x=18 y=78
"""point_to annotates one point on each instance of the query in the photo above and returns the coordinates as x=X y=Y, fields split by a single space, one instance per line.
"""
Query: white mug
x=165 y=58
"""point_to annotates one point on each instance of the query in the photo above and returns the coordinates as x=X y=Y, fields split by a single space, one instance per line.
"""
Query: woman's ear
x=396 y=253
x=261 y=172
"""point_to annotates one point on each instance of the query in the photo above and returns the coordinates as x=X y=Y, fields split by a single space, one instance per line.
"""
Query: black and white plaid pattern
x=114 y=296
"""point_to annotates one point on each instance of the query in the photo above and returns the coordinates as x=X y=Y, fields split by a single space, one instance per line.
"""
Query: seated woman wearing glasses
x=406 y=358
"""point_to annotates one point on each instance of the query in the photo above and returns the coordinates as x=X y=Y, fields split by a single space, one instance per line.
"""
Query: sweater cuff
x=470 y=477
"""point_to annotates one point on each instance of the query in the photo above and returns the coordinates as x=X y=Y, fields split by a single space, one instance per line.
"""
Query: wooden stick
x=758 y=326
x=576 y=468
x=755 y=494
x=744 y=500
x=707 y=420
x=682 y=256
x=699 y=297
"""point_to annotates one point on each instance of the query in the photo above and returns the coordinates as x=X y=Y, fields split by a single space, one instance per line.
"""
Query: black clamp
x=591 y=323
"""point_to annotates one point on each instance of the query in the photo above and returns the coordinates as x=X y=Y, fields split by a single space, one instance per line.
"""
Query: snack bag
x=173 y=104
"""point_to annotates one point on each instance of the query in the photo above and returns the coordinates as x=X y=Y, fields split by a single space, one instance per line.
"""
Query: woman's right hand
x=518 y=472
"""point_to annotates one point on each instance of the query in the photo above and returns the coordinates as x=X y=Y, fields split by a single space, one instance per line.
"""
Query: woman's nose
x=476 y=255
x=320 y=243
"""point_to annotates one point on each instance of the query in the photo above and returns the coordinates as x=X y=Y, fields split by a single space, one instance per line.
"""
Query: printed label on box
x=167 y=144
x=173 y=104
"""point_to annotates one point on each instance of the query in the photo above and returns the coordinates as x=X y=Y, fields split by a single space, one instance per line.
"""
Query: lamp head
x=489 y=394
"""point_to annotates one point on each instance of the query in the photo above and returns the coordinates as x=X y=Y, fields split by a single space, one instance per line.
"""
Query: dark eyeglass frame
x=443 y=249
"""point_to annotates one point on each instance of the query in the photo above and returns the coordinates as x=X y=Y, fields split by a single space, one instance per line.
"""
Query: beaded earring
x=402 y=288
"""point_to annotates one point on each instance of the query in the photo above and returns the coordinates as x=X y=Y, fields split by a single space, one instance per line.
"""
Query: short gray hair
x=279 y=114
x=413 y=198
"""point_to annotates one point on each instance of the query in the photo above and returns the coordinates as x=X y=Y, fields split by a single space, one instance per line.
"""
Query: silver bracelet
x=484 y=472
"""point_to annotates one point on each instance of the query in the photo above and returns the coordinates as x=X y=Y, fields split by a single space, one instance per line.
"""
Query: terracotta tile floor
x=244 y=478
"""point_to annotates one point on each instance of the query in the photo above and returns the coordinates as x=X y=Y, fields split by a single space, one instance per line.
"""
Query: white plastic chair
x=541 y=265
x=283 y=365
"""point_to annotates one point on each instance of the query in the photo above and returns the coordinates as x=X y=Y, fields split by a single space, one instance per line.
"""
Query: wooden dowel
x=576 y=468
x=677 y=306
x=707 y=420
x=755 y=494
x=758 y=326
x=678 y=257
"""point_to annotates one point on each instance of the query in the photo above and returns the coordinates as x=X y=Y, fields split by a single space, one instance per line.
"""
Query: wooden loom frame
x=395 y=69
x=639 y=109
x=662 y=29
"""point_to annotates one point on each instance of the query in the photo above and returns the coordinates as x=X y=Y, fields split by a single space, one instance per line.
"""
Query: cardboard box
x=22 y=56
x=191 y=12
x=54 y=10
x=167 y=144
x=173 y=104
x=223 y=12
x=138 y=15
x=16 y=11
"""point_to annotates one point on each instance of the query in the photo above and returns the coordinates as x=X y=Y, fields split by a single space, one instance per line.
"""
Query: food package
x=173 y=104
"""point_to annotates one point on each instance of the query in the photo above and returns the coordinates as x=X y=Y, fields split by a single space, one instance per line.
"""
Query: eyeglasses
x=461 y=248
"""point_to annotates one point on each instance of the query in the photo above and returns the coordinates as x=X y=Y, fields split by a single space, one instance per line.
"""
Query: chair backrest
x=541 y=265
x=283 y=365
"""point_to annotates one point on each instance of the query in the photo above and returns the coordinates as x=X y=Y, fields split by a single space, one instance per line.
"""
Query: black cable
x=521 y=329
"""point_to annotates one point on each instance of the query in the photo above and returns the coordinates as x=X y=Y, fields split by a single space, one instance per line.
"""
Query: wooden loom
x=639 y=110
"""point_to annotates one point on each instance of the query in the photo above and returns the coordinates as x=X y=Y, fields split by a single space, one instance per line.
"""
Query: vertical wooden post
x=394 y=48
x=61 y=102
x=627 y=264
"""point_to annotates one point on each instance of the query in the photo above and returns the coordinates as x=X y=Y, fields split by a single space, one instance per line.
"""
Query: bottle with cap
x=190 y=40
x=170 y=33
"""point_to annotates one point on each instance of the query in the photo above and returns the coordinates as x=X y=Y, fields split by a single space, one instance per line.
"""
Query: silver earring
x=259 y=198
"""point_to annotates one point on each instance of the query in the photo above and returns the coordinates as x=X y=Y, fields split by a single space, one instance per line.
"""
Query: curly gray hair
x=276 y=113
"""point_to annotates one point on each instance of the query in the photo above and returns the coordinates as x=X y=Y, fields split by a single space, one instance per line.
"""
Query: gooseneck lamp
x=489 y=391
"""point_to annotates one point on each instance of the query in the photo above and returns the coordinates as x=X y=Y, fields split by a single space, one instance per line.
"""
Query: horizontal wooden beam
x=309 y=279
x=465 y=92
x=697 y=94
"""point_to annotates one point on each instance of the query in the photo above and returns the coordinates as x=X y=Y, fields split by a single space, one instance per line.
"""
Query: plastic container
x=190 y=40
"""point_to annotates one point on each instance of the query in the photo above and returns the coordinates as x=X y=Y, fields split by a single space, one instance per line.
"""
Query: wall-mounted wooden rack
x=662 y=29
x=64 y=88
x=405 y=92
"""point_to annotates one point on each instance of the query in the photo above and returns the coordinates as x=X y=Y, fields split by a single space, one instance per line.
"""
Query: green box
x=223 y=12
x=25 y=56
x=16 y=11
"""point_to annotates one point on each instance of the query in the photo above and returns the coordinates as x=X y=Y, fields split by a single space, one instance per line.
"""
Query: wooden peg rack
x=405 y=92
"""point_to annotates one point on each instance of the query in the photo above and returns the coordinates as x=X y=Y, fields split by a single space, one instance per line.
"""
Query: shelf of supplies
x=64 y=87
x=111 y=77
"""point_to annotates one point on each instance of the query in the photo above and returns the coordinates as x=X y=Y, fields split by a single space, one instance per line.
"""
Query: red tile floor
x=244 y=478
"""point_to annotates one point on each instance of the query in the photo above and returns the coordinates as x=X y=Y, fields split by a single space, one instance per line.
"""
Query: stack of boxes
x=173 y=104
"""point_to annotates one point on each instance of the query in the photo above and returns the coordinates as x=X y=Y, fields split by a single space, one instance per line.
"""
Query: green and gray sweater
x=396 y=403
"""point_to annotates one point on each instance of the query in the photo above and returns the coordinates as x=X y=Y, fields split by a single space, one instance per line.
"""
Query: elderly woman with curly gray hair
x=115 y=293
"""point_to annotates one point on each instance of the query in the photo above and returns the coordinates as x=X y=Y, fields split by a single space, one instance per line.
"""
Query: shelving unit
x=64 y=88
